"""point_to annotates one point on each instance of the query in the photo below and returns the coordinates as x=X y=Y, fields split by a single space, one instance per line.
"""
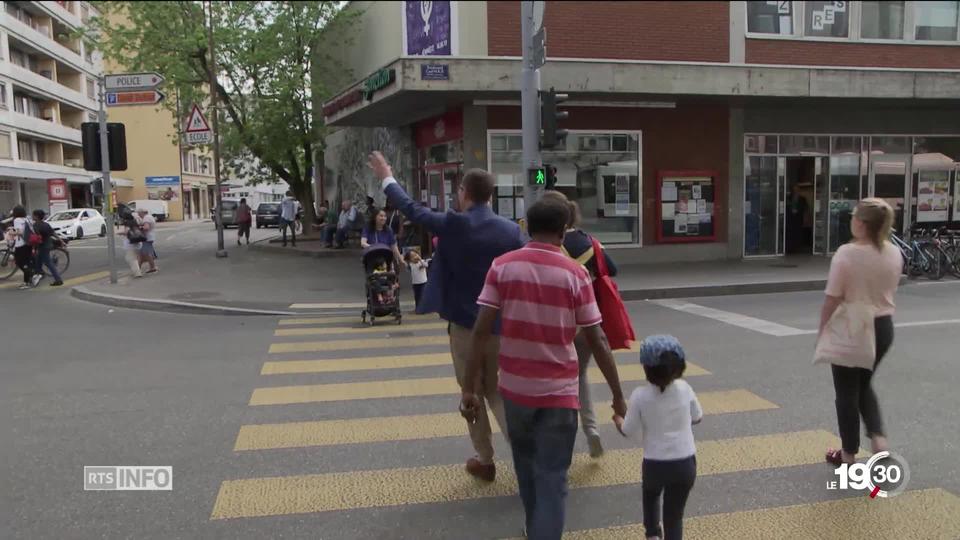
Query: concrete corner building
x=697 y=130
x=48 y=87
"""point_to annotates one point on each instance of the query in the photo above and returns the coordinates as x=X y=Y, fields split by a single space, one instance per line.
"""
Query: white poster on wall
x=933 y=196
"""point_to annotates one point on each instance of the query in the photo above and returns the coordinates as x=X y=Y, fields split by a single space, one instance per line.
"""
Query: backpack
x=32 y=237
x=616 y=322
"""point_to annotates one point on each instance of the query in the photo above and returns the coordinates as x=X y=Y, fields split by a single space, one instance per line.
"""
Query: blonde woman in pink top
x=865 y=270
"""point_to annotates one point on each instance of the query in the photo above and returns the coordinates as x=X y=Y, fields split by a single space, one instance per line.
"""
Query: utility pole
x=107 y=184
x=532 y=38
x=212 y=69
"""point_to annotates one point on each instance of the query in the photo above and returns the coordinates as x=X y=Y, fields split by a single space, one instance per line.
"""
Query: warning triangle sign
x=196 y=123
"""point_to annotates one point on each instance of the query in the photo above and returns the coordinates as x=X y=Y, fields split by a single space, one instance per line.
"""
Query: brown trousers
x=480 y=431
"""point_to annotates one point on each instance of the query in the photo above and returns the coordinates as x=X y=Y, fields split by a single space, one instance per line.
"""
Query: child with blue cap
x=663 y=413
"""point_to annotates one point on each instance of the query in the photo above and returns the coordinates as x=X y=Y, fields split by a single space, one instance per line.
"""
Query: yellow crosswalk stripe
x=365 y=330
x=930 y=514
x=356 y=364
x=365 y=363
x=395 y=388
x=350 y=319
x=440 y=483
x=427 y=426
x=44 y=285
x=350 y=344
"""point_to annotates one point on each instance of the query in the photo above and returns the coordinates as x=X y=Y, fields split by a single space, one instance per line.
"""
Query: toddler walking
x=418 y=273
x=663 y=413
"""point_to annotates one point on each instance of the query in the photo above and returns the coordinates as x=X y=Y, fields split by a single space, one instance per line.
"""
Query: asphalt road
x=320 y=429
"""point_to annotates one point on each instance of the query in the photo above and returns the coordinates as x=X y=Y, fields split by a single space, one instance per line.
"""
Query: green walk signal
x=537 y=177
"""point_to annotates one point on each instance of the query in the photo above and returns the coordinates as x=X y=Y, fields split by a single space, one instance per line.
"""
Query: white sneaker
x=36 y=279
x=596 y=447
x=24 y=286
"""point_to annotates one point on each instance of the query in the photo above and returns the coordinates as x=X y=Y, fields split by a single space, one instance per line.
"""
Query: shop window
x=760 y=144
x=770 y=17
x=600 y=171
x=889 y=145
x=936 y=21
x=804 y=144
x=881 y=19
x=826 y=19
x=5 y=145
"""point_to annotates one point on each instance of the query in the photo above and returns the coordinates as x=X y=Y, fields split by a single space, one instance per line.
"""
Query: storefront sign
x=439 y=129
x=163 y=188
x=434 y=72
x=342 y=102
x=429 y=29
x=57 y=189
x=378 y=81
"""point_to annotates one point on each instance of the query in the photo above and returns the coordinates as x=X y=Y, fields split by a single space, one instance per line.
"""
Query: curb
x=169 y=306
x=268 y=247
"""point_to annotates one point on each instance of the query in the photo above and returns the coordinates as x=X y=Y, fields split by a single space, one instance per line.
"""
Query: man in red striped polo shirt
x=542 y=297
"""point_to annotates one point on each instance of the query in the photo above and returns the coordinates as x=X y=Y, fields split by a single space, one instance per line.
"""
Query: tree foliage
x=267 y=58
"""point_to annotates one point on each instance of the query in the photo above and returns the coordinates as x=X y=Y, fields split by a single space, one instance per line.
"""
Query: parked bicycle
x=923 y=254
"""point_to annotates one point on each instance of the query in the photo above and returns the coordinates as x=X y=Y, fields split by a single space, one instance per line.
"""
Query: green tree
x=268 y=57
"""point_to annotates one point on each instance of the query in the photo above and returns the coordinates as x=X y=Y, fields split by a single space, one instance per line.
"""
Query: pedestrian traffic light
x=550 y=116
x=537 y=177
x=551 y=180
x=116 y=146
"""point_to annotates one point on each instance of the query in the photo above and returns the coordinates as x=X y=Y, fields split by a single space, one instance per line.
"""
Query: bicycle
x=950 y=243
x=922 y=255
x=8 y=265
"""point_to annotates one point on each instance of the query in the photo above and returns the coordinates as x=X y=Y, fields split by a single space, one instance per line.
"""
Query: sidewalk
x=268 y=279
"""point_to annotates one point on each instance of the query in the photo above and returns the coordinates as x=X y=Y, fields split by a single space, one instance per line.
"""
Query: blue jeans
x=542 y=444
x=43 y=259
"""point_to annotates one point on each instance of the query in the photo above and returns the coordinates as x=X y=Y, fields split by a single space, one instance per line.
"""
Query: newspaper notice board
x=686 y=209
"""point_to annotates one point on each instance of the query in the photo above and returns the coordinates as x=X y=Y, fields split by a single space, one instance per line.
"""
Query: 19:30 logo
x=885 y=474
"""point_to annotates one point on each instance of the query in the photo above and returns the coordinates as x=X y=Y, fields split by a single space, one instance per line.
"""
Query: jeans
x=43 y=259
x=588 y=417
x=542 y=444
x=284 y=224
x=342 y=236
x=855 y=395
x=674 y=479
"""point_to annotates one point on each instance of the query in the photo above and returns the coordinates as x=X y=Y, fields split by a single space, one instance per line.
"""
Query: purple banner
x=428 y=27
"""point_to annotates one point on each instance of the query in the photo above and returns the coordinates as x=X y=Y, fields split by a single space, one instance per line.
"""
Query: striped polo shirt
x=543 y=296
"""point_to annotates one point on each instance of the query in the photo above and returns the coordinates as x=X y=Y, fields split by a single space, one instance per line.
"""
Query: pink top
x=543 y=296
x=861 y=272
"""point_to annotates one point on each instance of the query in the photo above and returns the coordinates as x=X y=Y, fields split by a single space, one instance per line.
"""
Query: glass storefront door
x=763 y=206
x=888 y=181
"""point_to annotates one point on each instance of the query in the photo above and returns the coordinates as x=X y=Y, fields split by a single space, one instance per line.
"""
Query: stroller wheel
x=399 y=319
x=371 y=320
x=363 y=316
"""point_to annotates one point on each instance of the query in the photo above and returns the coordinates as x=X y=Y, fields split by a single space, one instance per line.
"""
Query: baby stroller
x=382 y=284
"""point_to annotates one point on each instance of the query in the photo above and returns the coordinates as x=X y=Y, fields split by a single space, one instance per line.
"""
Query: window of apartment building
x=91 y=88
x=881 y=19
x=18 y=57
x=3 y=95
x=26 y=105
x=5 y=145
x=84 y=12
x=936 y=21
x=193 y=163
x=826 y=19
x=88 y=52
x=30 y=150
x=770 y=17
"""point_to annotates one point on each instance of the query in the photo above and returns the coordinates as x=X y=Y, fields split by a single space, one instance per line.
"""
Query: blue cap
x=654 y=346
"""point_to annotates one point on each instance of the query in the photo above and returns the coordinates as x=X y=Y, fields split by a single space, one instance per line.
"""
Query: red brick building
x=698 y=130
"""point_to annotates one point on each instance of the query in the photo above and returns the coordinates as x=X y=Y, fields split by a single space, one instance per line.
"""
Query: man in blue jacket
x=469 y=241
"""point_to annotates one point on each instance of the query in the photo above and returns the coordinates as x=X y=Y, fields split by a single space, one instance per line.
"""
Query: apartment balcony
x=50 y=89
x=58 y=11
x=40 y=128
x=45 y=43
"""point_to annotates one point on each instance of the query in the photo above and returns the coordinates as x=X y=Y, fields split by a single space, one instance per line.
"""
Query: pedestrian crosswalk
x=324 y=364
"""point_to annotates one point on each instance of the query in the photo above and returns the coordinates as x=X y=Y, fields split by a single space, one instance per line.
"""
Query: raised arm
x=398 y=198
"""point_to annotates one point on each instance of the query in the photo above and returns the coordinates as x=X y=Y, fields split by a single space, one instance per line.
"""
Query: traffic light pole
x=529 y=102
x=107 y=186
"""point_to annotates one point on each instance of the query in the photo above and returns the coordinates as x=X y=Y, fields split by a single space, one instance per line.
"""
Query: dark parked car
x=268 y=215
x=228 y=214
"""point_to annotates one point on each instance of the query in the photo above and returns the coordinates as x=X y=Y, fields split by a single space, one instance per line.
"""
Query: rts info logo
x=885 y=474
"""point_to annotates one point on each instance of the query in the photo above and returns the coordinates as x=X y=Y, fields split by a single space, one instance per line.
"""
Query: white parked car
x=77 y=223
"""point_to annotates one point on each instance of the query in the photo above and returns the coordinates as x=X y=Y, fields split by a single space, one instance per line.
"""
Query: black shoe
x=56 y=284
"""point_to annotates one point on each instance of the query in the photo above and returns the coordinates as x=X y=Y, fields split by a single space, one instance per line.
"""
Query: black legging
x=23 y=256
x=673 y=479
x=855 y=395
